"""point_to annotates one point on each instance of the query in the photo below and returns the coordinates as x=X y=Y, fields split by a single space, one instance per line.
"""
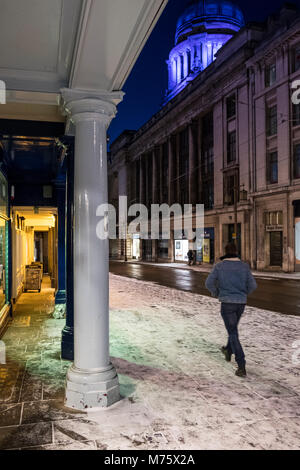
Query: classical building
x=228 y=136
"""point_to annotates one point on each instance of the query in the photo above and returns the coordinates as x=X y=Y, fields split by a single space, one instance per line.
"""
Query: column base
x=86 y=390
x=60 y=297
x=67 y=344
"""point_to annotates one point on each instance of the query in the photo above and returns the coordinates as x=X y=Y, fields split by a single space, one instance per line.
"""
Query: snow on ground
x=179 y=392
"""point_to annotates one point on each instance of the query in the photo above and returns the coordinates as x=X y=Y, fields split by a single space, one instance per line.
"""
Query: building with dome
x=202 y=29
x=227 y=136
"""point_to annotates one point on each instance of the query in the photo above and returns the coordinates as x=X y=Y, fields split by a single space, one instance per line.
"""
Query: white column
x=92 y=381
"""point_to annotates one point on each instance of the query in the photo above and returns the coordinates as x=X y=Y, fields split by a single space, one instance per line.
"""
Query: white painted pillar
x=92 y=381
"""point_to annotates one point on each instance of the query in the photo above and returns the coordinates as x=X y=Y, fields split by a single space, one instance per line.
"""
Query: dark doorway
x=231 y=238
x=276 y=249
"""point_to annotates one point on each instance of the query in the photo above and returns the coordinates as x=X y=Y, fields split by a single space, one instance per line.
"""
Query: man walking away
x=231 y=281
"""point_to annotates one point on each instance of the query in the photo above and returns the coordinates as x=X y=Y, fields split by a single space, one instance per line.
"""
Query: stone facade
x=230 y=140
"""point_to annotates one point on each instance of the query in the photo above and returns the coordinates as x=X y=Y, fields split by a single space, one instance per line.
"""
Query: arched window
x=181 y=67
x=189 y=62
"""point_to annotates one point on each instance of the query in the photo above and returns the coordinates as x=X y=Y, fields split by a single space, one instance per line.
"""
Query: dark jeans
x=231 y=314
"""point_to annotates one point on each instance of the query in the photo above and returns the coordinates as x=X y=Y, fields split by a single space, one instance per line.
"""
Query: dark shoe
x=241 y=372
x=226 y=353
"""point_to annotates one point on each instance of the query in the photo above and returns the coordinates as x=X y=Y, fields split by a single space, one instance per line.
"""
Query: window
x=270 y=75
x=274 y=218
x=297 y=161
x=207 y=162
x=163 y=249
x=181 y=67
x=272 y=168
x=296 y=114
x=165 y=172
x=231 y=185
x=231 y=147
x=184 y=167
x=272 y=121
x=137 y=181
x=231 y=107
x=149 y=181
x=189 y=62
x=296 y=58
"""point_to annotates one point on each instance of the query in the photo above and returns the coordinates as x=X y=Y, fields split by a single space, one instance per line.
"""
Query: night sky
x=148 y=80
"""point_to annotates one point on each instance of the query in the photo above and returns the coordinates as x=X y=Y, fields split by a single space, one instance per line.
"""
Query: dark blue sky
x=148 y=80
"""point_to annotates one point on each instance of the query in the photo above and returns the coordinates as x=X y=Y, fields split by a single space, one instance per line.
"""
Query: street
x=278 y=295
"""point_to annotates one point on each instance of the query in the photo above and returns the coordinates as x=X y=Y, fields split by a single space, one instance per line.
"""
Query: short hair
x=231 y=249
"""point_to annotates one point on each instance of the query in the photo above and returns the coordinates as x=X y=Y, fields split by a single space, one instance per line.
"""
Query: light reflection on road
x=272 y=294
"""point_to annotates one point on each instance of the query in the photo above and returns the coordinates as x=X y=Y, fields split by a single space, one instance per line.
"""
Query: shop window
x=297 y=161
x=208 y=194
x=272 y=121
x=272 y=168
x=231 y=147
x=270 y=75
x=231 y=107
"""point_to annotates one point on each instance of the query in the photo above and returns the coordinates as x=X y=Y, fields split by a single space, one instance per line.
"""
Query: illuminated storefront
x=4 y=245
x=181 y=250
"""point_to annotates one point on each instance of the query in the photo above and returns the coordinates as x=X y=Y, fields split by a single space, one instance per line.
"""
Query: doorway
x=276 y=248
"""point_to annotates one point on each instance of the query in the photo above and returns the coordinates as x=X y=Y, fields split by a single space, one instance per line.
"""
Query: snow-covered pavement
x=180 y=393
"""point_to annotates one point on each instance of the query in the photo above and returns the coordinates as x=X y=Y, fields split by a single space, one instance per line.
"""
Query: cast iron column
x=60 y=297
x=92 y=381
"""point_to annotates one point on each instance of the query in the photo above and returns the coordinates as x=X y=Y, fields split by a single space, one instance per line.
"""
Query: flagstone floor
x=178 y=391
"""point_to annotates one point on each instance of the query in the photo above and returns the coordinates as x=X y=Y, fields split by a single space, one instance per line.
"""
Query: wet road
x=278 y=295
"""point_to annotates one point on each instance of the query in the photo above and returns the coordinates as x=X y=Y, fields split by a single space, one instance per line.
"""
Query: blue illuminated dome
x=202 y=29
x=208 y=15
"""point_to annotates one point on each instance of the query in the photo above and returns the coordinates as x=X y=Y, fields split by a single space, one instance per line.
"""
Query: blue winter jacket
x=231 y=281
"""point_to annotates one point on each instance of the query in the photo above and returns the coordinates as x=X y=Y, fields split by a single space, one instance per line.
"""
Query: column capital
x=82 y=105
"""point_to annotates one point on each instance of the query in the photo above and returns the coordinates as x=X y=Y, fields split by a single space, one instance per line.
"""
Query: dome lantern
x=202 y=29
